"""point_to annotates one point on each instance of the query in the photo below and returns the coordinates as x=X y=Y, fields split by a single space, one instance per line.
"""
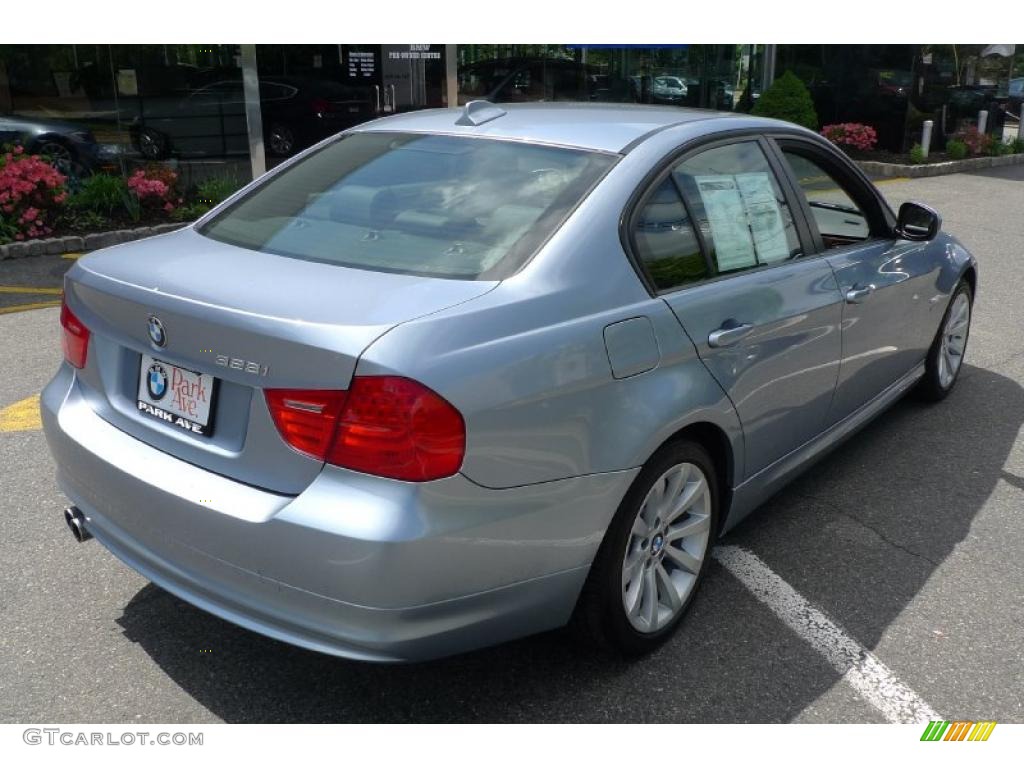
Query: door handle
x=857 y=295
x=726 y=337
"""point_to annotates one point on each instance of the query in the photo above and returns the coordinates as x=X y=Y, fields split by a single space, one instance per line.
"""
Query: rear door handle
x=857 y=295
x=726 y=337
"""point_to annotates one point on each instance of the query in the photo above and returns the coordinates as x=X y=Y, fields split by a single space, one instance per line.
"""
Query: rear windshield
x=433 y=205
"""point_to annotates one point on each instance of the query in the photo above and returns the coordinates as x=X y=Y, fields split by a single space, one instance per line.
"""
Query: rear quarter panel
x=527 y=365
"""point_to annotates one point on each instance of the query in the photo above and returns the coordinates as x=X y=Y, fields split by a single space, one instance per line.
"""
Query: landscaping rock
x=924 y=170
x=100 y=240
x=17 y=250
x=53 y=245
x=160 y=229
x=74 y=244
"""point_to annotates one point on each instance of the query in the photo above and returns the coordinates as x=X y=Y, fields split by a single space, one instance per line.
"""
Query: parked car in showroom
x=458 y=376
x=211 y=121
x=668 y=89
x=70 y=147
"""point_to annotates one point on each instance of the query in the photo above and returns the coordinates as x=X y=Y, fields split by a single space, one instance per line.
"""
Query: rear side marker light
x=75 y=337
x=384 y=425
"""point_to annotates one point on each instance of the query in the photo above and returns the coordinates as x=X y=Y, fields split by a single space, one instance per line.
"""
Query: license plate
x=175 y=395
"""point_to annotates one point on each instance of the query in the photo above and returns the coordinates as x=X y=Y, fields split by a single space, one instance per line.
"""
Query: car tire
x=639 y=547
x=945 y=357
x=62 y=157
x=280 y=140
x=153 y=145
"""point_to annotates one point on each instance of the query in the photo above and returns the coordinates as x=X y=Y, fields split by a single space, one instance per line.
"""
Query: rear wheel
x=280 y=140
x=655 y=553
x=945 y=358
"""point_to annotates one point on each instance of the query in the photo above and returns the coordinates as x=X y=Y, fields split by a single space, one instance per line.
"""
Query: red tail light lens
x=388 y=426
x=398 y=428
x=306 y=418
x=320 y=106
x=75 y=339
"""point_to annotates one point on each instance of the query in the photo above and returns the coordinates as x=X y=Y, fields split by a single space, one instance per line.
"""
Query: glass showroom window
x=715 y=76
x=140 y=134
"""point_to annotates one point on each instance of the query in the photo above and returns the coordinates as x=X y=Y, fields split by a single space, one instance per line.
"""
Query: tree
x=788 y=99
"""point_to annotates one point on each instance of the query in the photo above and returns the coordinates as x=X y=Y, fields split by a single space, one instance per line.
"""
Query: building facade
x=235 y=110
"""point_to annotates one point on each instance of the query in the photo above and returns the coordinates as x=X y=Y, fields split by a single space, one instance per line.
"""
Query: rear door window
x=744 y=218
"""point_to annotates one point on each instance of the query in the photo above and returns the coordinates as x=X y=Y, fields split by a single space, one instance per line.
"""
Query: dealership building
x=235 y=110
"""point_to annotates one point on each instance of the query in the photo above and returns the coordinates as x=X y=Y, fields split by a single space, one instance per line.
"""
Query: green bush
x=788 y=99
x=916 y=154
x=956 y=149
x=86 y=221
x=215 y=191
x=997 y=148
x=101 y=194
x=1017 y=146
x=190 y=211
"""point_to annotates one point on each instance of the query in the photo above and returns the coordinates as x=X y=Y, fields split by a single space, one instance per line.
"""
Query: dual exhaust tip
x=76 y=523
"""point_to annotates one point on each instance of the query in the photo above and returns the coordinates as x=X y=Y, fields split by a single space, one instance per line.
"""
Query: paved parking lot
x=910 y=538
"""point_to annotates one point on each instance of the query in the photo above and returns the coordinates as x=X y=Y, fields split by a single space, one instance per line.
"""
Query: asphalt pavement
x=910 y=538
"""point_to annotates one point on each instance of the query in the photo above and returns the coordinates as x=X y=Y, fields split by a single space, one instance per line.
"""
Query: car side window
x=840 y=220
x=665 y=239
x=738 y=205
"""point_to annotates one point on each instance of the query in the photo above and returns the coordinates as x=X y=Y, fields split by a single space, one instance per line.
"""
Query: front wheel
x=945 y=358
x=655 y=553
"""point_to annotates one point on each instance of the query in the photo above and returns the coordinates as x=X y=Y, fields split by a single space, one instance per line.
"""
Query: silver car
x=458 y=376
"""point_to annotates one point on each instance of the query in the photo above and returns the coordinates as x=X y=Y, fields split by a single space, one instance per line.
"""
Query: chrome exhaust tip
x=76 y=523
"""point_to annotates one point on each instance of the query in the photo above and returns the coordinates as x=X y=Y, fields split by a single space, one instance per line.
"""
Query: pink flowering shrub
x=30 y=191
x=155 y=188
x=856 y=135
x=977 y=143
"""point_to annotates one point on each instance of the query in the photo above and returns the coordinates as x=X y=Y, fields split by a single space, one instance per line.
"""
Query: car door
x=763 y=317
x=884 y=281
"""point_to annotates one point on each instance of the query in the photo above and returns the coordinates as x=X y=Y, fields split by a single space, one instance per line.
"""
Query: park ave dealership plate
x=176 y=395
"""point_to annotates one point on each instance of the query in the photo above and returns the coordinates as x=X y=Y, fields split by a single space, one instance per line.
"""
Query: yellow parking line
x=72 y=255
x=890 y=181
x=27 y=307
x=22 y=416
x=29 y=289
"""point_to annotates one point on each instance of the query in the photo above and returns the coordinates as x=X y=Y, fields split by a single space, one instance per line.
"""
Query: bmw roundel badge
x=156 y=331
x=156 y=381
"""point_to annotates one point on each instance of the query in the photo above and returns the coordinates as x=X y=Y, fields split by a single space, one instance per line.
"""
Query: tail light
x=320 y=106
x=306 y=418
x=75 y=339
x=384 y=425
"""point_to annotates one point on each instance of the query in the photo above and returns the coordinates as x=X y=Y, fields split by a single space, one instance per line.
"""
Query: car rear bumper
x=354 y=566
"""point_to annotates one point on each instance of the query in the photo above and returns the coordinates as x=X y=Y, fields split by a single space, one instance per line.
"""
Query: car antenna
x=479 y=112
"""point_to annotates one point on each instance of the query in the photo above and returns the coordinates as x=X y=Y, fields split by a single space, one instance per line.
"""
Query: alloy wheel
x=281 y=140
x=666 y=548
x=954 y=339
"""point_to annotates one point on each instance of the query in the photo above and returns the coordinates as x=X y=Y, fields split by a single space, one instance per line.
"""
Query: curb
x=872 y=167
x=53 y=246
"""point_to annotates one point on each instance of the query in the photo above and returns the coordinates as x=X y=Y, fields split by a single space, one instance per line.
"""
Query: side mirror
x=917 y=221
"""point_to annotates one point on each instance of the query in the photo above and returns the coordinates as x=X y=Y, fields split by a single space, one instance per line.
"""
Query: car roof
x=600 y=127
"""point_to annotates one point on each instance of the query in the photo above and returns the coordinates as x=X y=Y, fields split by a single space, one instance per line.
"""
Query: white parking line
x=858 y=666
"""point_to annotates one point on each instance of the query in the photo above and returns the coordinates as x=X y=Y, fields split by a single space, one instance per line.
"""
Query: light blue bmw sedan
x=458 y=376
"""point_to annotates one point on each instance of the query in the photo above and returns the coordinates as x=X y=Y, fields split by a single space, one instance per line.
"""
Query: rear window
x=440 y=206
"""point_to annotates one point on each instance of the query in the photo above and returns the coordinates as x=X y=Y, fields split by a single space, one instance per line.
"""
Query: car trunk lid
x=253 y=321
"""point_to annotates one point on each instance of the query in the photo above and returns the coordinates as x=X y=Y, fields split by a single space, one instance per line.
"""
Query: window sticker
x=764 y=216
x=723 y=203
